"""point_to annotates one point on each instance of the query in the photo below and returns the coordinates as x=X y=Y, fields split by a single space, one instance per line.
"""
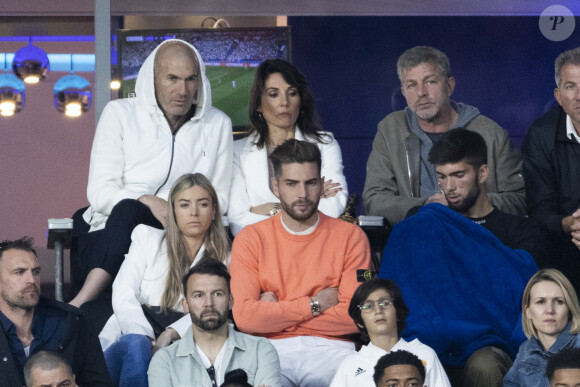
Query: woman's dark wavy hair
x=308 y=120
x=363 y=292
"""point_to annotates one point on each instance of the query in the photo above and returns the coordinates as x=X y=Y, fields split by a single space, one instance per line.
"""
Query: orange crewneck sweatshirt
x=267 y=258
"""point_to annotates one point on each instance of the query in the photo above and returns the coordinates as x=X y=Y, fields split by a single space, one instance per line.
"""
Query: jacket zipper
x=170 y=164
x=409 y=169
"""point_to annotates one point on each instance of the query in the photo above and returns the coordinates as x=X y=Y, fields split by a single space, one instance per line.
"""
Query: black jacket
x=551 y=170
x=552 y=176
x=80 y=346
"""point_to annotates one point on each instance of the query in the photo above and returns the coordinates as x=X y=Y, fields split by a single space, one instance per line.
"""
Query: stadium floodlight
x=30 y=63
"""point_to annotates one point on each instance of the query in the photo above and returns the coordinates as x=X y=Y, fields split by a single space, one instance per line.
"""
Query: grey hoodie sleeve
x=505 y=182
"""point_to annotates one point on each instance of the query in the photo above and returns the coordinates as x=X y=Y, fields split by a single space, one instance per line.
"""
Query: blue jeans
x=128 y=360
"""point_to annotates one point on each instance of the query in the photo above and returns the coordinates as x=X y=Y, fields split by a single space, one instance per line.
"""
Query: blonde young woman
x=551 y=322
x=152 y=272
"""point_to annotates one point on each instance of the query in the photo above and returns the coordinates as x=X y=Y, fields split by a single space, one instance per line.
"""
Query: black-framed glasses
x=369 y=305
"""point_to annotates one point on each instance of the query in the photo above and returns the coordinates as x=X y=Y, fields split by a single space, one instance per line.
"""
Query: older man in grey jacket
x=399 y=175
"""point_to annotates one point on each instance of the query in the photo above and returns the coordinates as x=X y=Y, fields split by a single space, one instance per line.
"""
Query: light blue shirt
x=180 y=364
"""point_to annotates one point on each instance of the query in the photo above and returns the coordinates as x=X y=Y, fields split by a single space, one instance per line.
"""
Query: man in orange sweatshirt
x=293 y=275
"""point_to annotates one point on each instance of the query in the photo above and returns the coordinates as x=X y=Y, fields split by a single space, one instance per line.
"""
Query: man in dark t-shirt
x=460 y=158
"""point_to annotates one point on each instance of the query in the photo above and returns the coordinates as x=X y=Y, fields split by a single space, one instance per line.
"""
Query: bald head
x=48 y=369
x=176 y=76
x=174 y=48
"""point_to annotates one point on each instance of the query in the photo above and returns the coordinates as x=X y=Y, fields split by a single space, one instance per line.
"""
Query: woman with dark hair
x=379 y=312
x=151 y=275
x=281 y=107
x=551 y=322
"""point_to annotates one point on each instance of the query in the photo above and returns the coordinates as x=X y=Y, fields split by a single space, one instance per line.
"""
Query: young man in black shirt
x=460 y=159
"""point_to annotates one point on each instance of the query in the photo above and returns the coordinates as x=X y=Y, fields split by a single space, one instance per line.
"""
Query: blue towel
x=463 y=286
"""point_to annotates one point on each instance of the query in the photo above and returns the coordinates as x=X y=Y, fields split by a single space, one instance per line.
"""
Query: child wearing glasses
x=379 y=312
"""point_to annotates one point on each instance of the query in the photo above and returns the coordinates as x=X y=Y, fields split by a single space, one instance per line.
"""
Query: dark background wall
x=502 y=65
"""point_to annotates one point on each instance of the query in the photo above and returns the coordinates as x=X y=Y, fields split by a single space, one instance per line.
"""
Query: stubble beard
x=300 y=217
x=469 y=201
x=209 y=325
x=24 y=300
x=429 y=115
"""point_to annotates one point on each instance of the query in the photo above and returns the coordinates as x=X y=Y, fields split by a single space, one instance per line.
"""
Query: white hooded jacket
x=135 y=153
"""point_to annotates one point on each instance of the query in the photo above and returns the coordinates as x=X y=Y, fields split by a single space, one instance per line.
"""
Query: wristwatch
x=275 y=209
x=314 y=307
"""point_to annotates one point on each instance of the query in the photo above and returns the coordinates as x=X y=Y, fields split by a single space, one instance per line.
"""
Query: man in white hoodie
x=141 y=146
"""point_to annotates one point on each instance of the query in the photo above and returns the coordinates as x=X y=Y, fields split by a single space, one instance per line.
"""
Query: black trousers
x=106 y=248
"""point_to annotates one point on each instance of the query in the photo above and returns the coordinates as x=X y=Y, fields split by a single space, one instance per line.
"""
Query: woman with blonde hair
x=551 y=322
x=151 y=275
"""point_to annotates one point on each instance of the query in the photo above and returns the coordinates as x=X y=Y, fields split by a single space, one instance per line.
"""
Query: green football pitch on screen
x=230 y=88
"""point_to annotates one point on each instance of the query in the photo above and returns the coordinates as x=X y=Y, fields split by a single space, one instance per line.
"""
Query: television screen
x=231 y=56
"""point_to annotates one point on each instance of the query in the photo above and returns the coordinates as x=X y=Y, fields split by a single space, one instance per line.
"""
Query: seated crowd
x=490 y=295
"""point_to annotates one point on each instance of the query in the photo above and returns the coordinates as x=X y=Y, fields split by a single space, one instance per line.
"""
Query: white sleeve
x=105 y=188
x=127 y=284
x=341 y=378
x=239 y=214
x=332 y=168
x=435 y=373
x=221 y=176
x=181 y=325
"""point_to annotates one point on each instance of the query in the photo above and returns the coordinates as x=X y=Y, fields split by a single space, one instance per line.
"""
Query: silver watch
x=274 y=211
x=314 y=307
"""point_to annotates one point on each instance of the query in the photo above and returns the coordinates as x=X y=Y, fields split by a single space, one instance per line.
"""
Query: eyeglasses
x=369 y=305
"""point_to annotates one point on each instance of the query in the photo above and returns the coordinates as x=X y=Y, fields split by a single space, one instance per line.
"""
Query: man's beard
x=209 y=324
x=469 y=201
x=291 y=212
x=429 y=115
x=26 y=299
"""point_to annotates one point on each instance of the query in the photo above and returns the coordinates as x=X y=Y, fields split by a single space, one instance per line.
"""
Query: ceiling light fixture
x=72 y=94
x=12 y=93
x=30 y=63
